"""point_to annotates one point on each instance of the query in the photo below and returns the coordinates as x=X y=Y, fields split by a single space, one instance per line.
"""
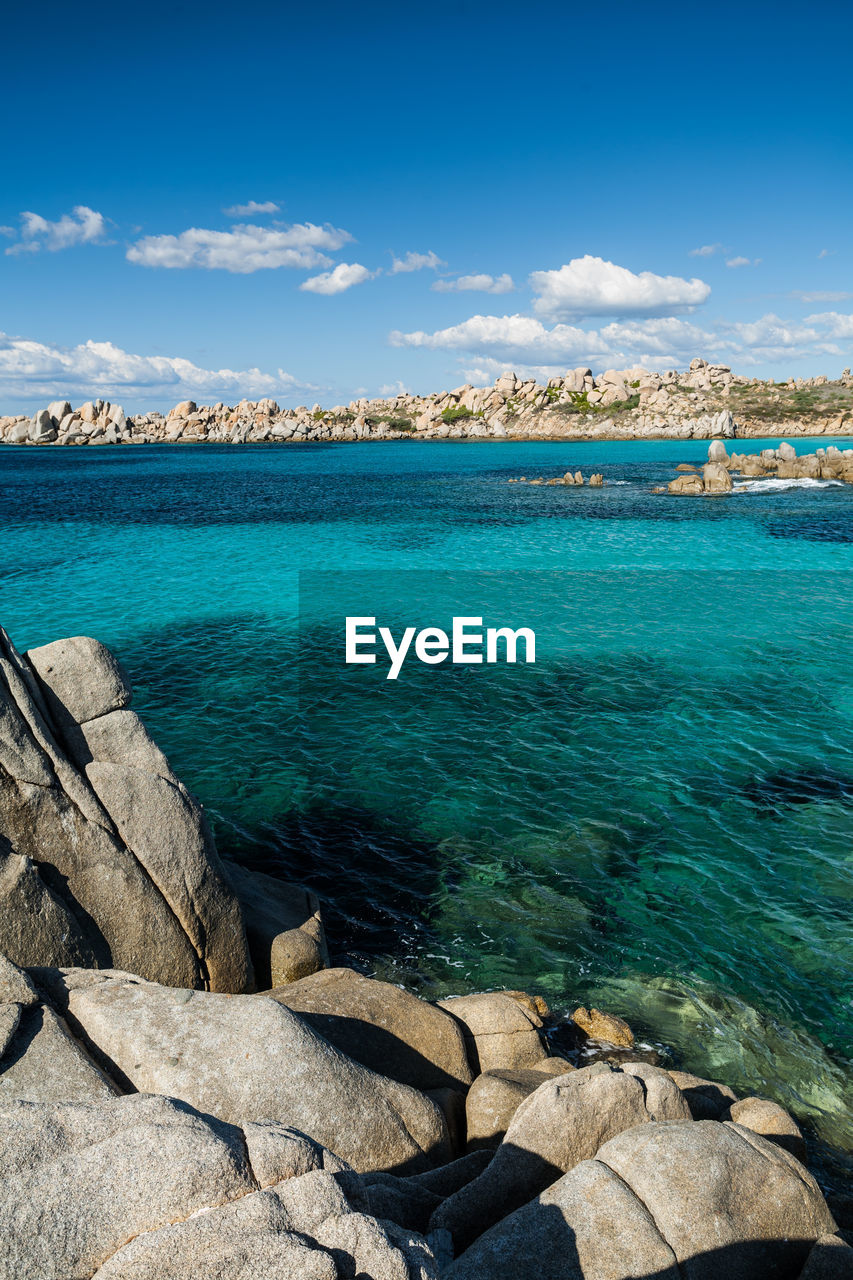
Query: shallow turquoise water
x=657 y=816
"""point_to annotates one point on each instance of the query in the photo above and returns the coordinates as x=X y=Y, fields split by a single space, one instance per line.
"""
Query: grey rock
x=382 y=1027
x=241 y=1240
x=15 y=985
x=495 y=1096
x=35 y=924
x=81 y=679
x=771 y=1121
x=146 y=1188
x=559 y=1125
x=118 y=737
x=830 y=1258
x=715 y=478
x=58 y=410
x=707 y=1099
x=448 y=1178
x=249 y=1058
x=587 y=1226
x=100 y=885
x=500 y=1033
x=43 y=1062
x=400 y=1200
x=284 y=928
x=170 y=837
x=81 y=1180
x=726 y=1201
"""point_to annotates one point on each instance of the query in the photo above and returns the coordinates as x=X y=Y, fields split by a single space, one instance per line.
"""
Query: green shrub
x=455 y=413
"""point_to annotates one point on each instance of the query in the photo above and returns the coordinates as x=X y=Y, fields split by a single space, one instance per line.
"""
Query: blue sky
x=446 y=190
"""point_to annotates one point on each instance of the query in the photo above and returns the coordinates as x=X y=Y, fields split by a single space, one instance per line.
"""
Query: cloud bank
x=657 y=342
x=244 y=249
x=29 y=368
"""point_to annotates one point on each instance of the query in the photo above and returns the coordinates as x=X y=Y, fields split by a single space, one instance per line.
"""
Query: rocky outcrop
x=147 y=1188
x=692 y=1201
x=284 y=927
x=783 y=463
x=247 y=1058
x=500 y=1031
x=562 y=1123
x=702 y=402
x=102 y=849
x=246 y=1144
x=382 y=1027
x=495 y=1096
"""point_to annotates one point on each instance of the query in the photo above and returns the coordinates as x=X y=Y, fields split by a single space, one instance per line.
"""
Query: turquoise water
x=657 y=816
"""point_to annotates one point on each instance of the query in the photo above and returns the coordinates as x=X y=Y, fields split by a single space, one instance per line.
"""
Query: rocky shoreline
x=187 y=1090
x=703 y=402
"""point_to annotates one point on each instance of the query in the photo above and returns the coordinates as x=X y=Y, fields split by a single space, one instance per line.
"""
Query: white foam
x=774 y=485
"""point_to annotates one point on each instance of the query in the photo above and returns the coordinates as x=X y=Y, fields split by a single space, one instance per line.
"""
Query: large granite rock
x=147 y=1188
x=495 y=1096
x=382 y=1027
x=247 y=1058
x=102 y=850
x=771 y=1121
x=501 y=1033
x=562 y=1123
x=696 y=1201
x=39 y=1057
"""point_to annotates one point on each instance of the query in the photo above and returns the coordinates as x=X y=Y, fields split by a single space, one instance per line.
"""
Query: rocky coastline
x=188 y=1090
x=702 y=402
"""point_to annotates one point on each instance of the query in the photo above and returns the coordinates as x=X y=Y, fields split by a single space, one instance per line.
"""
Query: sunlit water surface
x=657 y=817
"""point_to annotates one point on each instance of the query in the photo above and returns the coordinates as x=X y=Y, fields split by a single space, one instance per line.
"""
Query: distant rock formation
x=783 y=463
x=705 y=401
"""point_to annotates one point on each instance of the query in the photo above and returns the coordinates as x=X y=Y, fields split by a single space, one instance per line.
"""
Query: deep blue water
x=657 y=816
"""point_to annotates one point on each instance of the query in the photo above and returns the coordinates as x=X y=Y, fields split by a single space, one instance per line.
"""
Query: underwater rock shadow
x=376 y=883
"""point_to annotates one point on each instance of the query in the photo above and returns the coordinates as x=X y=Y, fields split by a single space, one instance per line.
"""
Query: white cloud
x=344 y=276
x=416 y=262
x=706 y=250
x=29 y=368
x=825 y=253
x=397 y=388
x=252 y=209
x=591 y=286
x=821 y=295
x=82 y=226
x=742 y=262
x=836 y=324
x=244 y=249
x=476 y=284
x=9 y=232
x=655 y=342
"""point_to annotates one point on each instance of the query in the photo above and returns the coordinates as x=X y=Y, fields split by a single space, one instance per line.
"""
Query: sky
x=216 y=202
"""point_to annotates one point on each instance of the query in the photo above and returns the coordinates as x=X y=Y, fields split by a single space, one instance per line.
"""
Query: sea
x=655 y=817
